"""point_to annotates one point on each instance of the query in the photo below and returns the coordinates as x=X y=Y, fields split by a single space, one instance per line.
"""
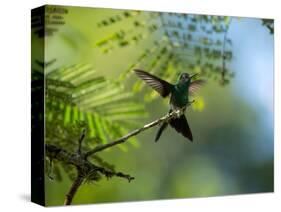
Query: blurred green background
x=232 y=122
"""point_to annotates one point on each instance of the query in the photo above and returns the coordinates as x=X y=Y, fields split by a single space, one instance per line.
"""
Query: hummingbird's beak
x=193 y=75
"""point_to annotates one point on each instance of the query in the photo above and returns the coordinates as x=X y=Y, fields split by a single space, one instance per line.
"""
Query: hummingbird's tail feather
x=161 y=129
x=181 y=125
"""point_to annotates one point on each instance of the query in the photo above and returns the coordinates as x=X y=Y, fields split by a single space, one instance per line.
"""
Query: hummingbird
x=179 y=98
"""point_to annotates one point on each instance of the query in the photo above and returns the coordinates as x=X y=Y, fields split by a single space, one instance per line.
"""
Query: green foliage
x=76 y=94
x=78 y=97
x=47 y=20
x=192 y=43
x=100 y=93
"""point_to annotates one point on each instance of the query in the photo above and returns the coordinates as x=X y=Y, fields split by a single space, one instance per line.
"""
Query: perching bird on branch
x=179 y=99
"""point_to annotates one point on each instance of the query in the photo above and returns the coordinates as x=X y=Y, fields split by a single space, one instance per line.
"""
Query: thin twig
x=80 y=141
x=165 y=118
x=85 y=168
x=109 y=174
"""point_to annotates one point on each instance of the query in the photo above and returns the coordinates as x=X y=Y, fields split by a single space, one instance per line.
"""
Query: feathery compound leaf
x=76 y=94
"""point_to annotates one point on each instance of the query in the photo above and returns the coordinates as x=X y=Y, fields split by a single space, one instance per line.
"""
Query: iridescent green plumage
x=179 y=98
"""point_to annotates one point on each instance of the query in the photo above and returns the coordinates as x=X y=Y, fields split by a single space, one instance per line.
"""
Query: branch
x=83 y=166
x=165 y=118
x=73 y=189
x=86 y=169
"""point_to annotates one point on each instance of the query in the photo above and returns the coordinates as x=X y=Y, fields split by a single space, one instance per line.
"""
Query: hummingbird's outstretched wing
x=180 y=125
x=195 y=86
x=162 y=87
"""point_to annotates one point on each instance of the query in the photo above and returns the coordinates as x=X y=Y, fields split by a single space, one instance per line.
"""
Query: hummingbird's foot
x=179 y=113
